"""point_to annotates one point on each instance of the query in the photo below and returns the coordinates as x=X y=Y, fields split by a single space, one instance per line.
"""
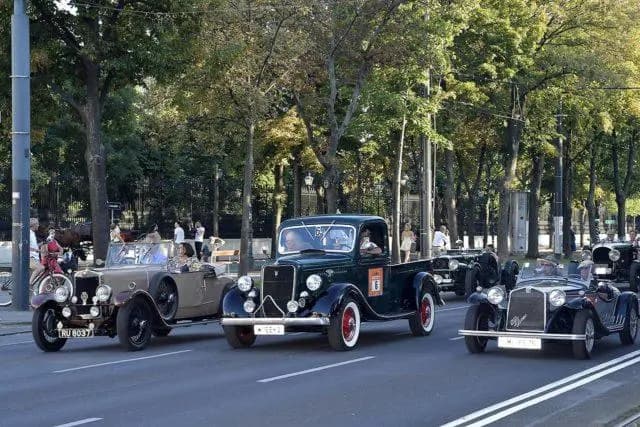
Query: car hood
x=549 y=285
x=119 y=278
x=316 y=260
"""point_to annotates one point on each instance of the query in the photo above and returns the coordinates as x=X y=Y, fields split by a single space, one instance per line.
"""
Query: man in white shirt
x=178 y=234
x=199 y=239
x=34 y=252
x=439 y=241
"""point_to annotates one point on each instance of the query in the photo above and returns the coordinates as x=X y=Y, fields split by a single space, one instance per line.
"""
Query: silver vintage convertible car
x=138 y=293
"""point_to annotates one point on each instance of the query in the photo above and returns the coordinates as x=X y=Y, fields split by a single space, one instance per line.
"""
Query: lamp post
x=217 y=174
x=308 y=181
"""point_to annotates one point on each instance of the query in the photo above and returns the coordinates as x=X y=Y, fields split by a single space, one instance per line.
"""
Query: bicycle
x=6 y=286
x=46 y=281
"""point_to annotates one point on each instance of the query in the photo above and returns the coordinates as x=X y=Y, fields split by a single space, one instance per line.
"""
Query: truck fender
x=424 y=282
x=329 y=302
x=233 y=302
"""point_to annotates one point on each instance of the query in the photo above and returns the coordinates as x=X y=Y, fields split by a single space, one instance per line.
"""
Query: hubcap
x=48 y=326
x=589 y=331
x=137 y=325
x=348 y=324
x=425 y=311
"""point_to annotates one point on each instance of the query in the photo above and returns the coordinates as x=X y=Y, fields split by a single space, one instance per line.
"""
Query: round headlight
x=249 y=306
x=292 y=306
x=437 y=278
x=614 y=255
x=454 y=264
x=495 y=295
x=314 y=282
x=66 y=312
x=94 y=311
x=74 y=299
x=103 y=292
x=557 y=297
x=61 y=294
x=245 y=283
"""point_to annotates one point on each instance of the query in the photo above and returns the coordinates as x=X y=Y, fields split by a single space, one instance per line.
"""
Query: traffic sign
x=113 y=205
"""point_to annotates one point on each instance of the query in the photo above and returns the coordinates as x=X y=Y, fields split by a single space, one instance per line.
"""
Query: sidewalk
x=14 y=322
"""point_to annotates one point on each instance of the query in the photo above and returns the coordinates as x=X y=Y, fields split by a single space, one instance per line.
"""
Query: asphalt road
x=193 y=378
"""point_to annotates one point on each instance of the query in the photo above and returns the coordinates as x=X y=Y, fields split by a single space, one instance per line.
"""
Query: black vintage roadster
x=551 y=304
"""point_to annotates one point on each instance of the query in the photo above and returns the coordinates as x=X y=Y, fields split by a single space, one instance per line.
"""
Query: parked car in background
x=551 y=304
x=331 y=273
x=617 y=262
x=136 y=295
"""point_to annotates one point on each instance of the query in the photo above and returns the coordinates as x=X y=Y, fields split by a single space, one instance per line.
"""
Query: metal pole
x=216 y=197
x=557 y=198
x=20 y=154
x=427 y=193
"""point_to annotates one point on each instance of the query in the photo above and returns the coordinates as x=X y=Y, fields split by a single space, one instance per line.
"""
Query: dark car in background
x=617 y=262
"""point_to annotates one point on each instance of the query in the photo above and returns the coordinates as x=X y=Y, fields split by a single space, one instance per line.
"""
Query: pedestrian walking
x=178 y=233
x=439 y=241
x=34 y=250
x=407 y=239
x=199 y=239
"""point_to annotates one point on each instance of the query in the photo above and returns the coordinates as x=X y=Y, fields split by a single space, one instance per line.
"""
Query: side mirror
x=99 y=262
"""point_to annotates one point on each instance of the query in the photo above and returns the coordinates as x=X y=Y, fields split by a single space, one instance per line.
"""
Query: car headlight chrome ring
x=314 y=282
x=94 y=311
x=557 y=297
x=495 y=295
x=249 y=306
x=103 y=292
x=61 y=294
x=292 y=306
x=66 y=312
x=454 y=264
x=437 y=278
x=245 y=283
x=614 y=255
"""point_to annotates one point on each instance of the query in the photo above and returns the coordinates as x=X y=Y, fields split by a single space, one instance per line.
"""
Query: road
x=193 y=378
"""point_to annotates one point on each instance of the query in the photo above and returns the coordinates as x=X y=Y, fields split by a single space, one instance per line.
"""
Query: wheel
x=509 y=275
x=634 y=276
x=630 y=329
x=477 y=319
x=43 y=328
x=161 y=332
x=583 y=325
x=6 y=287
x=421 y=324
x=471 y=281
x=134 y=325
x=344 y=326
x=165 y=295
x=239 y=336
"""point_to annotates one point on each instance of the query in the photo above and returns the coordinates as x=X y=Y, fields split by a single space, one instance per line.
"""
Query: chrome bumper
x=544 y=336
x=287 y=321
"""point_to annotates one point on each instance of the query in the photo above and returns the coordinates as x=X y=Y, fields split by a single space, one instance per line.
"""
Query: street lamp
x=308 y=181
x=217 y=175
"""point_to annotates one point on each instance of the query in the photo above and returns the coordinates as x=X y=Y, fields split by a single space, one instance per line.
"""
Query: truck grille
x=526 y=310
x=440 y=264
x=601 y=256
x=278 y=282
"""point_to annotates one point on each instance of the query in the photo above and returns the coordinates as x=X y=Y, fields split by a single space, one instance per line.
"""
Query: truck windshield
x=324 y=237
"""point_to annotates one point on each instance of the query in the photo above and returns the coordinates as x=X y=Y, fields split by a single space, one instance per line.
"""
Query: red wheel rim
x=425 y=311
x=348 y=324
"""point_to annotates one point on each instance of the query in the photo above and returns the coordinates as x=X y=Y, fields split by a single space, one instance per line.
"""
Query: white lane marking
x=554 y=393
x=452 y=308
x=319 y=368
x=455 y=338
x=121 y=361
x=79 y=422
x=16 y=343
x=516 y=399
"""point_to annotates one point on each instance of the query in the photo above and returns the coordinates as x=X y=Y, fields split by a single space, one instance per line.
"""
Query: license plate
x=268 y=329
x=520 y=343
x=75 y=333
x=603 y=270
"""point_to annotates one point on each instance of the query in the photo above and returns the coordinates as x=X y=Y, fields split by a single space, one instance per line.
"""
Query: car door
x=605 y=305
x=213 y=293
x=191 y=292
x=372 y=272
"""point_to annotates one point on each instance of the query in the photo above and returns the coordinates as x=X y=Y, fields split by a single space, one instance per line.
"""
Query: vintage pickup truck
x=332 y=272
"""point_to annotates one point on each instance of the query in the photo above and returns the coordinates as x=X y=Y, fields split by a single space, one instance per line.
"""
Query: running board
x=196 y=323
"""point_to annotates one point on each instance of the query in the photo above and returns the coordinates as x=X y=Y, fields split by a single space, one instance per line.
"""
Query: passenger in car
x=185 y=259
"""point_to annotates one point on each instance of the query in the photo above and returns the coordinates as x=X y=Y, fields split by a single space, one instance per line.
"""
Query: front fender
x=329 y=302
x=233 y=303
x=424 y=281
x=42 y=299
x=579 y=304
x=624 y=301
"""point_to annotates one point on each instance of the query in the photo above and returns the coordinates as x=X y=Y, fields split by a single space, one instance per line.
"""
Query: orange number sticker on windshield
x=375 y=282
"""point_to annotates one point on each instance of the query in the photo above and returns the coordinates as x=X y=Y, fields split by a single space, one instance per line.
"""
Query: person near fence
x=178 y=233
x=407 y=239
x=34 y=251
x=439 y=241
x=199 y=239
x=114 y=234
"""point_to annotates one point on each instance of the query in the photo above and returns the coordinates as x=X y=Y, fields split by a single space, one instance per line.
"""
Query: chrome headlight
x=557 y=297
x=245 y=283
x=292 y=306
x=314 y=282
x=249 y=306
x=454 y=264
x=437 y=278
x=94 y=311
x=66 y=312
x=61 y=294
x=614 y=255
x=495 y=295
x=103 y=292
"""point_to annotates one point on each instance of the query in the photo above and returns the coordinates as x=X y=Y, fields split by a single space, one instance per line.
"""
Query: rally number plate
x=75 y=333
x=268 y=329
x=520 y=343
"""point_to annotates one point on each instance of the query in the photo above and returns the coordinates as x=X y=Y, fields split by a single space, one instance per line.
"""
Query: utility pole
x=426 y=190
x=557 y=197
x=20 y=154
x=216 y=199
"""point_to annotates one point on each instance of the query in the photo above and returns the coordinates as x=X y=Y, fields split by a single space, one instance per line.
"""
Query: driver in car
x=547 y=266
x=293 y=242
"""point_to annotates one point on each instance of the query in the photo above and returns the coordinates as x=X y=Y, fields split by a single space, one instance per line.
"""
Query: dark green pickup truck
x=332 y=272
